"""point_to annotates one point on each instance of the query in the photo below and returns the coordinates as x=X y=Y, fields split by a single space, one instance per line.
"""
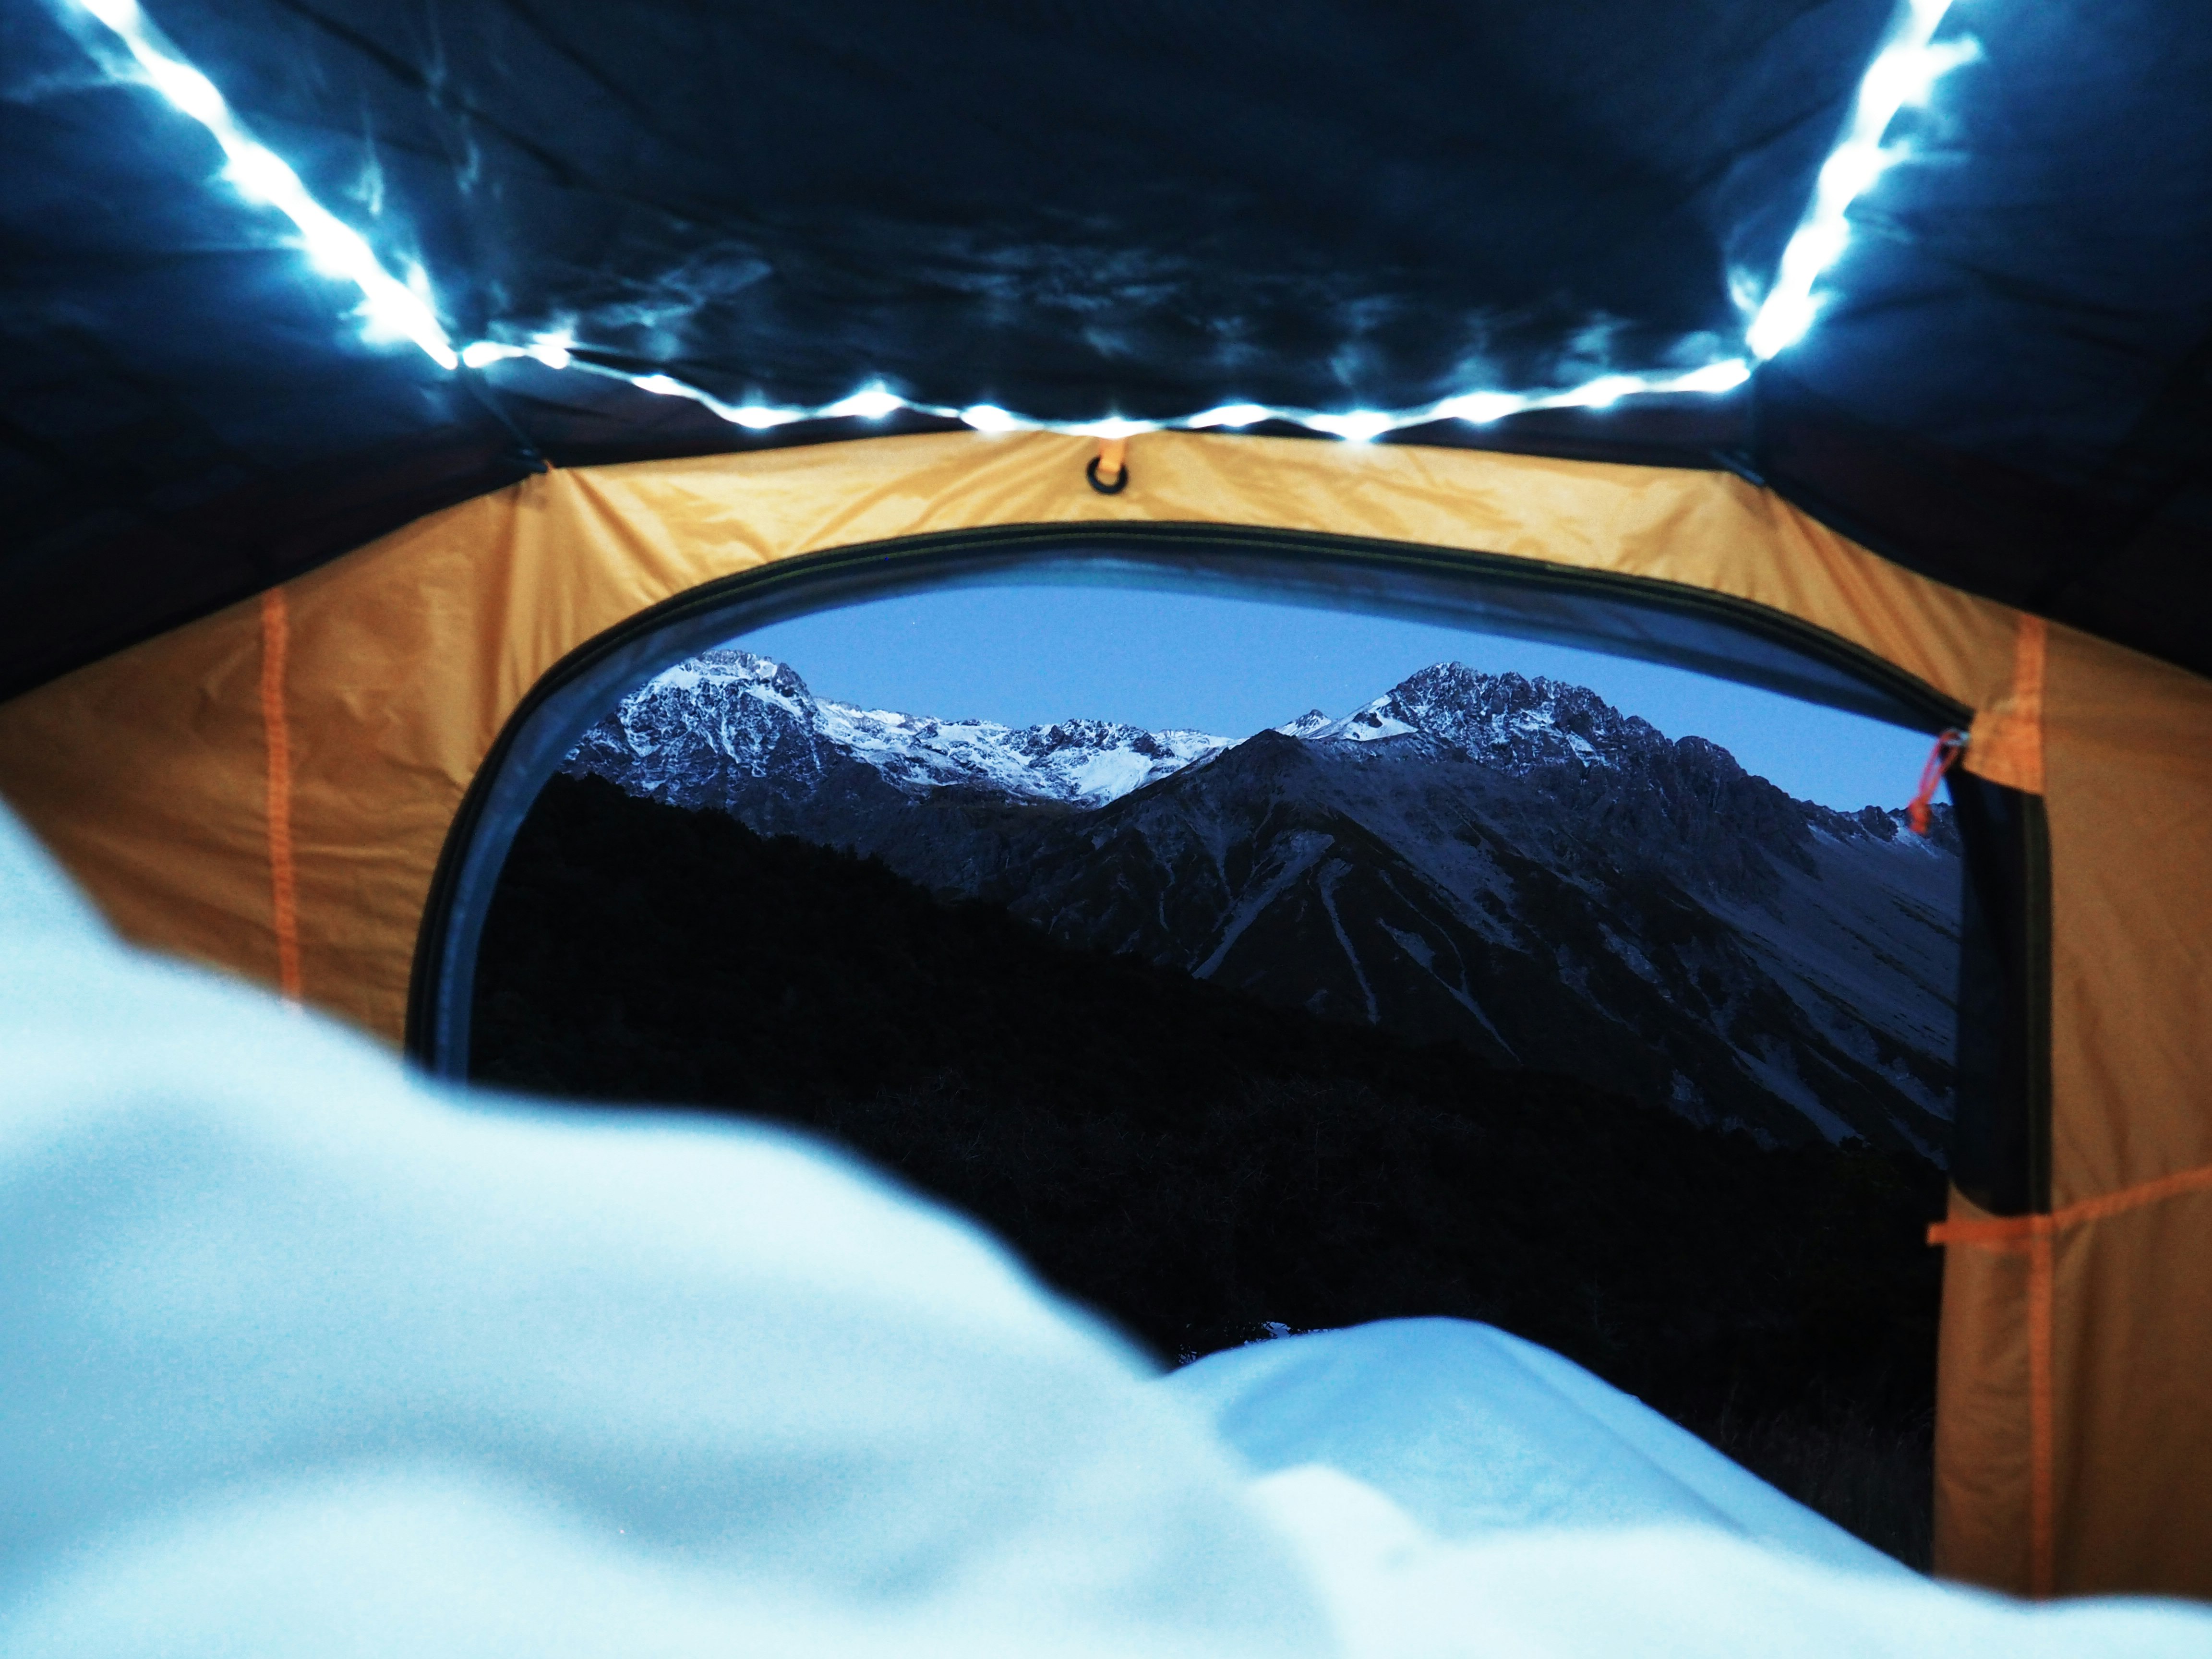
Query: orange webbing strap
x=2042 y=1426
x=1941 y=759
x=2034 y=1234
x=277 y=734
x=2012 y=1232
x=1113 y=455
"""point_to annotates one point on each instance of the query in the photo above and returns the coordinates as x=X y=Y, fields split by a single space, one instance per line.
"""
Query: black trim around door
x=2001 y=1126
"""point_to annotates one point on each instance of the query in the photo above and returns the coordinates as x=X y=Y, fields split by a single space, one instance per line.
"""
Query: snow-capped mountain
x=1511 y=724
x=710 y=731
x=1509 y=864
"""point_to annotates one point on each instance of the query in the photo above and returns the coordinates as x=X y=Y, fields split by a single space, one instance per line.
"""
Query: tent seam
x=2006 y=744
x=2042 y=1544
x=284 y=885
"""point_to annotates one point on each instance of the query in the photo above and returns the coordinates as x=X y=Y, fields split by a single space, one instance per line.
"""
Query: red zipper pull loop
x=1945 y=756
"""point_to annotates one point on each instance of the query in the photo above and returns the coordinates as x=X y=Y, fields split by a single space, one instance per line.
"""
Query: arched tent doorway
x=1627 y=616
x=296 y=787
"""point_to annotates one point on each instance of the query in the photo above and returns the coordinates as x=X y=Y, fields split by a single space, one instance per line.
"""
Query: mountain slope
x=1190 y=1160
x=1513 y=866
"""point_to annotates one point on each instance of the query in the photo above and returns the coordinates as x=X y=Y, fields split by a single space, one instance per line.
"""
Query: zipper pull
x=1948 y=747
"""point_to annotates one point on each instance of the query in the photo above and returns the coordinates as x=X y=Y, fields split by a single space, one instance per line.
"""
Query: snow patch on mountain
x=1083 y=762
x=677 y=737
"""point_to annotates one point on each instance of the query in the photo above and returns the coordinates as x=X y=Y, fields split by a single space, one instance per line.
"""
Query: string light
x=1230 y=414
x=1903 y=72
x=390 y=306
x=986 y=417
x=872 y=405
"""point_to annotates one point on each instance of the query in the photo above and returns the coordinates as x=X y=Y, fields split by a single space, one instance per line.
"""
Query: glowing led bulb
x=1360 y=426
x=121 y=15
x=187 y=88
x=1479 y=407
x=1603 y=392
x=1725 y=376
x=870 y=405
x=1230 y=414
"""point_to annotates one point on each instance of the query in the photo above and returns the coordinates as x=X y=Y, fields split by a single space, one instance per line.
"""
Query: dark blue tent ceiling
x=1079 y=211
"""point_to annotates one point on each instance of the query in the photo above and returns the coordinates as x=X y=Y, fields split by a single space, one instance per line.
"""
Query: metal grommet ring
x=1114 y=488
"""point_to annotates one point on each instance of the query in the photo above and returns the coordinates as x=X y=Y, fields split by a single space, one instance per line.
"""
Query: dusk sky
x=1028 y=655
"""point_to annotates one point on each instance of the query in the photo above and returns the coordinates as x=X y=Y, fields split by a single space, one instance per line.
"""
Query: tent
x=387 y=387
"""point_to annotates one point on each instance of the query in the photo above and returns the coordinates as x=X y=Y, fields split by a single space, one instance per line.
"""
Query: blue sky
x=1029 y=655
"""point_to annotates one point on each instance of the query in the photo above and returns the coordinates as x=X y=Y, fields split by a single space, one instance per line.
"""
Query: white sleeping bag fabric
x=300 y=1355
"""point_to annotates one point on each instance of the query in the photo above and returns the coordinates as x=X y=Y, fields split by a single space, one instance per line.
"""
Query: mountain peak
x=695 y=732
x=1503 y=720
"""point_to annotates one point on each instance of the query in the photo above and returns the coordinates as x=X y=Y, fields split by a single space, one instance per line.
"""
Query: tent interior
x=390 y=388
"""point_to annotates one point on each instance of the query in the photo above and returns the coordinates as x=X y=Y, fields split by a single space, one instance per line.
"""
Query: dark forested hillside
x=1513 y=866
x=1192 y=1161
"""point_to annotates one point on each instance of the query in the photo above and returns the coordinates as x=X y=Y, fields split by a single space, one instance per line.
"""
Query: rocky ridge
x=1509 y=864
